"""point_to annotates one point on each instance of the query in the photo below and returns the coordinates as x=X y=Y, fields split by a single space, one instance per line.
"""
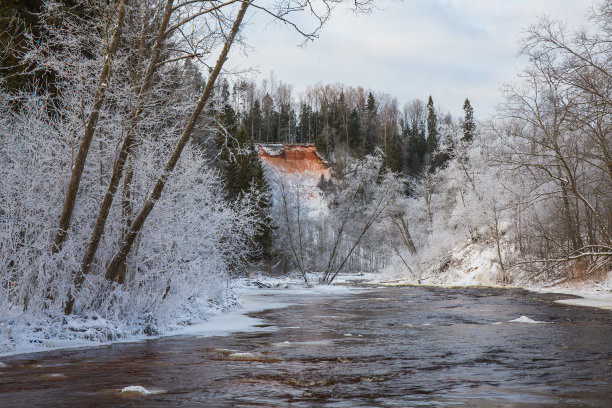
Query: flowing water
x=381 y=347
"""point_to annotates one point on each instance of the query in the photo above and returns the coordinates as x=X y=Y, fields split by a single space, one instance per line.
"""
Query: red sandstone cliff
x=290 y=158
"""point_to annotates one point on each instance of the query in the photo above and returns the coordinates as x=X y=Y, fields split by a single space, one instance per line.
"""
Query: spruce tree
x=253 y=121
x=432 y=127
x=354 y=132
x=243 y=173
x=393 y=154
x=370 y=125
x=416 y=150
x=303 y=128
x=267 y=105
x=468 y=123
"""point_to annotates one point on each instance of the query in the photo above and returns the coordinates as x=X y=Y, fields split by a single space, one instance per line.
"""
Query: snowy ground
x=592 y=293
x=476 y=264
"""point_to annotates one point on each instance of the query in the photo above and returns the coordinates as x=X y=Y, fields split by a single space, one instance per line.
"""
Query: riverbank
x=583 y=292
x=257 y=293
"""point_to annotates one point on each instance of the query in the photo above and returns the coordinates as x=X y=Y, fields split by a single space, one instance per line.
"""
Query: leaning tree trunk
x=118 y=166
x=113 y=271
x=90 y=127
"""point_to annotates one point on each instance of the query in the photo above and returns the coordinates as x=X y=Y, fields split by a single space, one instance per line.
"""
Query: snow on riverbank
x=258 y=293
x=253 y=295
x=592 y=293
x=93 y=331
x=470 y=263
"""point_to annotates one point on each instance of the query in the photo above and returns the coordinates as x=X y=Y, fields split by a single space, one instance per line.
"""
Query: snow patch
x=242 y=356
x=136 y=389
x=2 y=365
x=302 y=343
x=525 y=319
x=592 y=293
x=604 y=302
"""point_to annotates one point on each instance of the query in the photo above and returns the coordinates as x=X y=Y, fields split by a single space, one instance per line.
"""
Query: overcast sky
x=451 y=49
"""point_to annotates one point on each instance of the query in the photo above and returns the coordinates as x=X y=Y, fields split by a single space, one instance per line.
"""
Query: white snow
x=2 y=365
x=603 y=302
x=272 y=149
x=242 y=356
x=136 y=389
x=285 y=343
x=592 y=294
x=525 y=319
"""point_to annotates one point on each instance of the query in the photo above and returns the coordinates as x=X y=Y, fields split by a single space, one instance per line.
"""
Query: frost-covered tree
x=344 y=235
x=432 y=129
x=559 y=132
x=468 y=125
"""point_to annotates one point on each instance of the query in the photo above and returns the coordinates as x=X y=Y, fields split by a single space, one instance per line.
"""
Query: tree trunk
x=90 y=127
x=113 y=272
x=118 y=166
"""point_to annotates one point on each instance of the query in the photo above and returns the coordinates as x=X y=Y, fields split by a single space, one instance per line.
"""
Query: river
x=375 y=347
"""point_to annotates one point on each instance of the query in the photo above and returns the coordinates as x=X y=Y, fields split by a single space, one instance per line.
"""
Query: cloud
x=451 y=49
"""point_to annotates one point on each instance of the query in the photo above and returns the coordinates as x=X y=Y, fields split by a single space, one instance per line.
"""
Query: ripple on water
x=234 y=355
x=287 y=343
x=53 y=376
x=422 y=353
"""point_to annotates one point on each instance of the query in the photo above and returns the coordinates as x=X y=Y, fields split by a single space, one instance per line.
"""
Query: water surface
x=382 y=347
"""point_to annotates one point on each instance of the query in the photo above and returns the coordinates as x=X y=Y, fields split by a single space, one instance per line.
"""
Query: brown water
x=385 y=347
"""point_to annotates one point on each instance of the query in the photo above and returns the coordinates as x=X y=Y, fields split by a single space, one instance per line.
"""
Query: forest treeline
x=343 y=120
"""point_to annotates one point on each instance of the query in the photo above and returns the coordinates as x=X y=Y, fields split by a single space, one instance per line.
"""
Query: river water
x=379 y=347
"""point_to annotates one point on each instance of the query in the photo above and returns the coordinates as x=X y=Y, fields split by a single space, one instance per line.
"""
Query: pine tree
x=393 y=154
x=267 y=105
x=303 y=128
x=225 y=90
x=253 y=121
x=468 y=123
x=226 y=120
x=416 y=150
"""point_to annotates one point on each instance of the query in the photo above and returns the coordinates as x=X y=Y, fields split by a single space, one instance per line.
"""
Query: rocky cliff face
x=296 y=170
x=296 y=159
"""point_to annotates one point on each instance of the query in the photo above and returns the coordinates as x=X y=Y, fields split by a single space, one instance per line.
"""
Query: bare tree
x=563 y=130
x=325 y=243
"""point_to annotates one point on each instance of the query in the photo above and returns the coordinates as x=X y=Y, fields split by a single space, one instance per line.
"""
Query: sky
x=449 y=49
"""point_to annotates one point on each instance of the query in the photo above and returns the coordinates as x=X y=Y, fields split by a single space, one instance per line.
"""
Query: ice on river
x=525 y=319
x=136 y=388
x=139 y=389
